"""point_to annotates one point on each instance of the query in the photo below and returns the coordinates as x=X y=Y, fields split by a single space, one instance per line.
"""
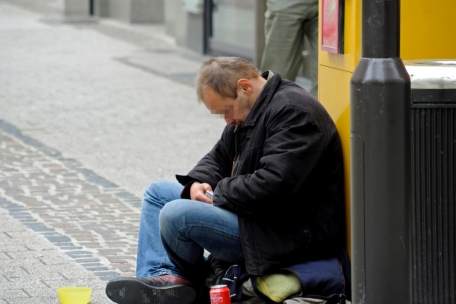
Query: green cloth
x=278 y=286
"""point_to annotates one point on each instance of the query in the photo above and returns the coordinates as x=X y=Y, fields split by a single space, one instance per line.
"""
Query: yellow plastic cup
x=74 y=295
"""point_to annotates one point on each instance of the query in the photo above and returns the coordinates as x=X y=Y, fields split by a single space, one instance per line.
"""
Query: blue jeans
x=174 y=232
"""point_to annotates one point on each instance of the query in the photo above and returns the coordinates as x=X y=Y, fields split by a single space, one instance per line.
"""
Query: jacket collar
x=273 y=82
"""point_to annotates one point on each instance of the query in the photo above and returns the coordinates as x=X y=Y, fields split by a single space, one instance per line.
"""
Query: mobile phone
x=209 y=194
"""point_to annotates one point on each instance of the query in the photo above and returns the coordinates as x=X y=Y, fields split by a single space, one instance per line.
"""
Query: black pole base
x=380 y=181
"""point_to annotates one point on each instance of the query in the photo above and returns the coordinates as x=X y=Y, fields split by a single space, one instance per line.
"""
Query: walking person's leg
x=311 y=31
x=284 y=37
x=286 y=23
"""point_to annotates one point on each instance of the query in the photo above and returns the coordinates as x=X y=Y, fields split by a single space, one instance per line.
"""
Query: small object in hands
x=209 y=194
x=74 y=295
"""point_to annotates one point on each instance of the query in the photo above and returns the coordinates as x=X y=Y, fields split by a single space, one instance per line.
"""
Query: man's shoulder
x=291 y=94
x=297 y=102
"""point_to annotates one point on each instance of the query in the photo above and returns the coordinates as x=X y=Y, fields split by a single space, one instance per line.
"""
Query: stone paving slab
x=78 y=93
x=62 y=225
x=90 y=114
x=32 y=274
x=84 y=109
x=78 y=119
x=93 y=227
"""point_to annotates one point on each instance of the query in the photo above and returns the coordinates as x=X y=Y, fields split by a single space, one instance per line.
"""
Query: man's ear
x=245 y=85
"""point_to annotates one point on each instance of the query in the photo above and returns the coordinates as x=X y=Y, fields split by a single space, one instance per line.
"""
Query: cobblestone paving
x=102 y=100
x=92 y=220
x=32 y=268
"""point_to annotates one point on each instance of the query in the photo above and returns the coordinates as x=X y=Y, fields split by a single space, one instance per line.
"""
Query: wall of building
x=131 y=11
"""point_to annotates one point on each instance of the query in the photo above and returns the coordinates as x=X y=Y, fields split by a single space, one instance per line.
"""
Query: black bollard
x=380 y=161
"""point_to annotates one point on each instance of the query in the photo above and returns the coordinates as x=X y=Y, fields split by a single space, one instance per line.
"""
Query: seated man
x=277 y=182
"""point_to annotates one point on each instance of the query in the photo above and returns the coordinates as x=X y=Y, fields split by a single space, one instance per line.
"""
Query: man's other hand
x=198 y=192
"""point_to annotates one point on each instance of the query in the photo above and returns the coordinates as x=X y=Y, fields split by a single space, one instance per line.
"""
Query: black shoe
x=164 y=289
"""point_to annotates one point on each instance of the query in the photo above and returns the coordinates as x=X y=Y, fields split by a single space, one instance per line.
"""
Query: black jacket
x=287 y=183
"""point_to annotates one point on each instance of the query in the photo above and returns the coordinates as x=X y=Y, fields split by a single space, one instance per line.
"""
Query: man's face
x=233 y=110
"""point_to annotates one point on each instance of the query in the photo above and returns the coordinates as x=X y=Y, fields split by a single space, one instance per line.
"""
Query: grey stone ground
x=91 y=111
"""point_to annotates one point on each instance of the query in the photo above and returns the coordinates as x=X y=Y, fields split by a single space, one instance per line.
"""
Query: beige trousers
x=287 y=22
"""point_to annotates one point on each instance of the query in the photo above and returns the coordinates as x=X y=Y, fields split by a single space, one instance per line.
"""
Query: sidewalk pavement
x=32 y=268
x=91 y=111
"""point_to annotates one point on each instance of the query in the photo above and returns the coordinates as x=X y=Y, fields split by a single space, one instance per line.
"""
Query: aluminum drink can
x=220 y=294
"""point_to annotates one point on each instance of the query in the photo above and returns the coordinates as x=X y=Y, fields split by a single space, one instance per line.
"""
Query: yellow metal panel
x=335 y=97
x=428 y=29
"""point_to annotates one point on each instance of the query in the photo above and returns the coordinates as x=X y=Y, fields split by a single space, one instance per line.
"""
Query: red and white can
x=220 y=294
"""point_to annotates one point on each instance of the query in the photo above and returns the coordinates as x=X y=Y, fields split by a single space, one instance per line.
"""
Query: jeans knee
x=176 y=217
x=154 y=188
x=169 y=214
x=161 y=192
x=168 y=220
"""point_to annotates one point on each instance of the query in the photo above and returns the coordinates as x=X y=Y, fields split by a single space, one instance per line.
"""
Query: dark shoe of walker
x=164 y=289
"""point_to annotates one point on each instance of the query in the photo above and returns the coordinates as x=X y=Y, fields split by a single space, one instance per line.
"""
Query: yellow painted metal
x=428 y=31
x=340 y=112
x=334 y=74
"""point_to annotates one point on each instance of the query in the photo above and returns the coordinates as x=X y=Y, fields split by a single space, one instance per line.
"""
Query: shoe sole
x=134 y=291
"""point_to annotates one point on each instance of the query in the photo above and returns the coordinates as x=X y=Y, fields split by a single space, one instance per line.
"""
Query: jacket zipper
x=236 y=152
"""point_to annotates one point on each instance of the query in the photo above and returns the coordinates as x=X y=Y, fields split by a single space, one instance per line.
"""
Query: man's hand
x=197 y=192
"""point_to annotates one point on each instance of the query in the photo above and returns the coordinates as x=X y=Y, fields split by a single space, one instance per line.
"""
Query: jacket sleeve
x=293 y=145
x=215 y=165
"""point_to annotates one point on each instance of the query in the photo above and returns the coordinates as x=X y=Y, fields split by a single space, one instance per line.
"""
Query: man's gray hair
x=222 y=73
